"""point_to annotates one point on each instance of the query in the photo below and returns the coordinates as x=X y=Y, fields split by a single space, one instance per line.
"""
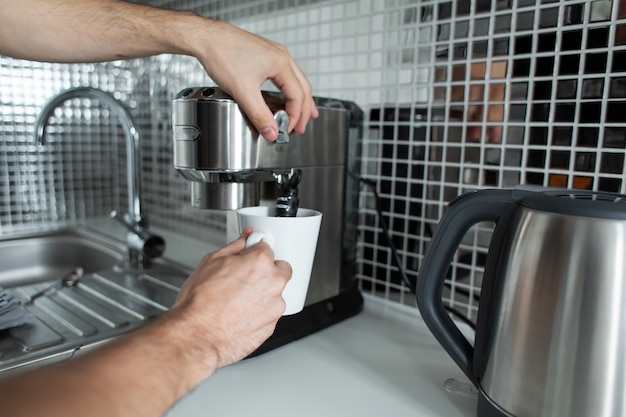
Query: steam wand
x=288 y=201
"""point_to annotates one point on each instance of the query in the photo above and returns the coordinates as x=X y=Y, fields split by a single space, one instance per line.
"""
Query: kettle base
x=486 y=408
x=312 y=318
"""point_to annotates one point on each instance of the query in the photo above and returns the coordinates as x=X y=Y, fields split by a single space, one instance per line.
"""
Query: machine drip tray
x=313 y=318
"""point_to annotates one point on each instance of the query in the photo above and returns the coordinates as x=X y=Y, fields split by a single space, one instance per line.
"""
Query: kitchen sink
x=109 y=300
x=31 y=259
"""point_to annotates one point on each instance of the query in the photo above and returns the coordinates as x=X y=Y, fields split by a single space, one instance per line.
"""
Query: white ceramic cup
x=293 y=239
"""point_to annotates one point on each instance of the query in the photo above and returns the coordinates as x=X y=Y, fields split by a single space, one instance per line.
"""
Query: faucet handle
x=131 y=224
x=138 y=239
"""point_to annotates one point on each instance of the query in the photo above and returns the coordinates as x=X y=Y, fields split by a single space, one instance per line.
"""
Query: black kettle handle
x=463 y=212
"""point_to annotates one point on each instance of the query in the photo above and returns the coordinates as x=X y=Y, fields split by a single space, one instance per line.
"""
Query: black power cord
x=396 y=256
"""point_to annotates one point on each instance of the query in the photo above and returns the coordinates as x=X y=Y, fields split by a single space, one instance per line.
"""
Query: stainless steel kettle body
x=551 y=331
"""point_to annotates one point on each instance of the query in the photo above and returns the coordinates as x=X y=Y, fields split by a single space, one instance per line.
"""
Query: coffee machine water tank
x=230 y=165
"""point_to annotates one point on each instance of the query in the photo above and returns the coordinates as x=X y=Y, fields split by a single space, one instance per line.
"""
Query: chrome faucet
x=142 y=245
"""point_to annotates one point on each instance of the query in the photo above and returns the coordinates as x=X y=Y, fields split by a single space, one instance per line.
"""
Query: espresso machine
x=230 y=165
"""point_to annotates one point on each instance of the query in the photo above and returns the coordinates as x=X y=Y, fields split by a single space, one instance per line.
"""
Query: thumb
x=236 y=246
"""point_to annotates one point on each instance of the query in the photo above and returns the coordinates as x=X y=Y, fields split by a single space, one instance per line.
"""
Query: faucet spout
x=133 y=158
x=136 y=221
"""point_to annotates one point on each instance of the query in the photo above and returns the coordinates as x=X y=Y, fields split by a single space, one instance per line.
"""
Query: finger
x=247 y=231
x=305 y=115
x=309 y=109
x=285 y=268
x=261 y=245
x=474 y=133
x=495 y=134
x=254 y=106
x=295 y=94
x=315 y=113
x=293 y=106
x=236 y=246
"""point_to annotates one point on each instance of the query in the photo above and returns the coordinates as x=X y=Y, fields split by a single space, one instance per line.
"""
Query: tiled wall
x=458 y=95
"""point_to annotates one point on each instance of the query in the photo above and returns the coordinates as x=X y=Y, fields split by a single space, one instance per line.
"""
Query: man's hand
x=483 y=96
x=230 y=304
x=240 y=62
x=98 y=30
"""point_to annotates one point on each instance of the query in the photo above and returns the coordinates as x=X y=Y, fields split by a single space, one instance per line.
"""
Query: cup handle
x=256 y=237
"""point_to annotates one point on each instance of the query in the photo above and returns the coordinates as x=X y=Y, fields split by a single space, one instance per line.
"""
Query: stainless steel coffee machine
x=230 y=165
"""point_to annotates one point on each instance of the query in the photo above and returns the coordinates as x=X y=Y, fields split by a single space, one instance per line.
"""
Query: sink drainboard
x=105 y=304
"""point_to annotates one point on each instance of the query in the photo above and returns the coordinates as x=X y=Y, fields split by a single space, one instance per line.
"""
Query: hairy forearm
x=92 y=30
x=142 y=374
x=106 y=30
x=227 y=307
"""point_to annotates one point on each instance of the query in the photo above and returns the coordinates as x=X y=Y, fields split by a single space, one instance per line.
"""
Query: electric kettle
x=550 y=336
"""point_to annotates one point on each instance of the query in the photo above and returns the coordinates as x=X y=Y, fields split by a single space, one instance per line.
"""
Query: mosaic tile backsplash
x=458 y=95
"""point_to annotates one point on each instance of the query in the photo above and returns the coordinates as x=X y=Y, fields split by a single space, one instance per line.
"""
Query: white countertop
x=382 y=362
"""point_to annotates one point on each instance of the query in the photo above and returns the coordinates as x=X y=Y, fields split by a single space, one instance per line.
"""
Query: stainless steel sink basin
x=29 y=259
x=108 y=301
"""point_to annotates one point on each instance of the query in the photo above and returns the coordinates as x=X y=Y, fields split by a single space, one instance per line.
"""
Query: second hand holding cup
x=293 y=239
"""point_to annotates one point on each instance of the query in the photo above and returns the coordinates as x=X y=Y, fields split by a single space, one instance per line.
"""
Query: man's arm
x=228 y=306
x=105 y=30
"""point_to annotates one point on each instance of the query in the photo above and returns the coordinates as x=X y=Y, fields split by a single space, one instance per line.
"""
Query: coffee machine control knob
x=282 y=118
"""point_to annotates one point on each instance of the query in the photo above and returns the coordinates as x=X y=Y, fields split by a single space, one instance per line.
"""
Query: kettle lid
x=582 y=203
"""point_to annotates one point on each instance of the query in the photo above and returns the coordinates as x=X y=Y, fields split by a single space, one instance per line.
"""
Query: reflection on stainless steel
x=225 y=157
x=69 y=280
x=462 y=388
x=31 y=259
x=551 y=330
x=559 y=338
x=108 y=302
x=142 y=245
x=230 y=165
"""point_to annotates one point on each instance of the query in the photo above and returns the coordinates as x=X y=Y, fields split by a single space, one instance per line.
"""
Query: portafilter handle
x=287 y=202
